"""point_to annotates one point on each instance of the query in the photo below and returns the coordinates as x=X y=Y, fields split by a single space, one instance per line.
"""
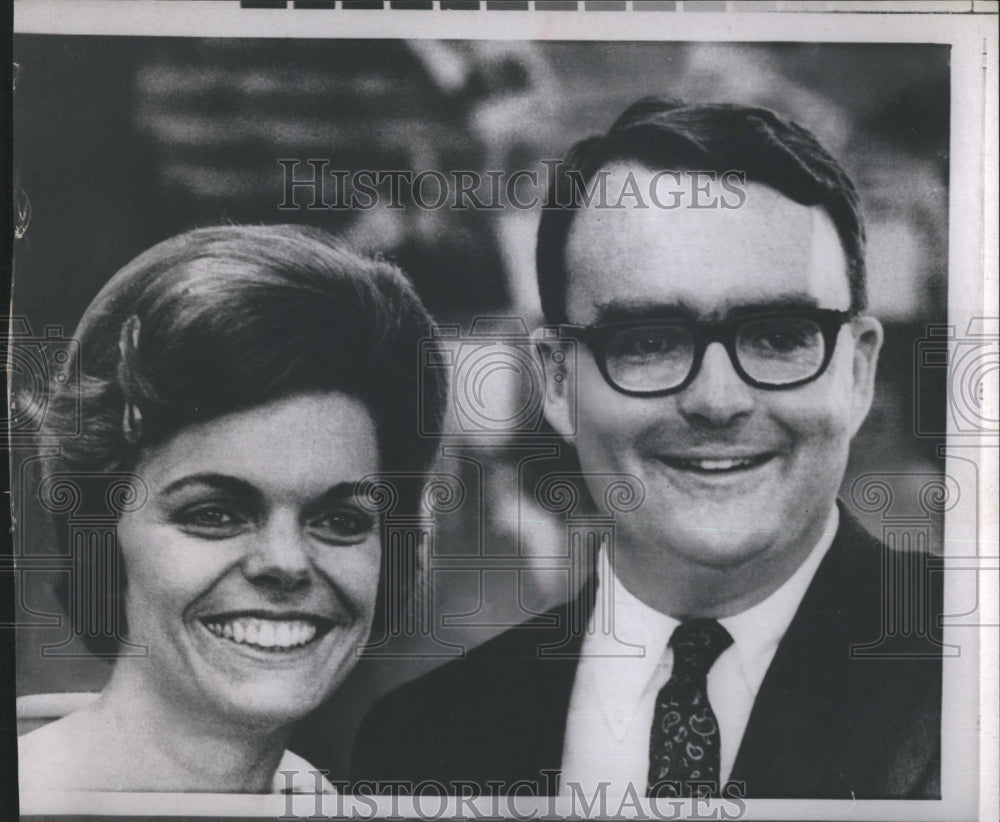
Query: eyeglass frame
x=596 y=337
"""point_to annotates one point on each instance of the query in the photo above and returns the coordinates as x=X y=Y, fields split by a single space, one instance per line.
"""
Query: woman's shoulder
x=66 y=753
x=57 y=756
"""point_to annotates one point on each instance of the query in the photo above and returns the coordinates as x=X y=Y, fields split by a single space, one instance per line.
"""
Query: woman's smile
x=276 y=634
x=268 y=644
x=253 y=569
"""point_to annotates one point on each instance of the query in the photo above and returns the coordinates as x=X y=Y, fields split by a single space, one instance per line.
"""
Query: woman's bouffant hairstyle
x=664 y=134
x=221 y=319
x=218 y=320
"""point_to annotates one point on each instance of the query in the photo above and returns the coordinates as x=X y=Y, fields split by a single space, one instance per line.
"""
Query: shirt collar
x=625 y=657
x=756 y=631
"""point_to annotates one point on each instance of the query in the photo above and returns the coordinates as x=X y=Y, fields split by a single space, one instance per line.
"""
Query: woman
x=250 y=379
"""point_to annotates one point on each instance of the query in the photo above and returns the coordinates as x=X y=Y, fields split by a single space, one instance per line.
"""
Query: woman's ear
x=557 y=363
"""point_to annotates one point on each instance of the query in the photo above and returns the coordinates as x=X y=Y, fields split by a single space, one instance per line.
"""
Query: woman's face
x=253 y=568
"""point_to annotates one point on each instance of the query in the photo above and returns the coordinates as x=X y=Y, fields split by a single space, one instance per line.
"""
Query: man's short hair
x=715 y=137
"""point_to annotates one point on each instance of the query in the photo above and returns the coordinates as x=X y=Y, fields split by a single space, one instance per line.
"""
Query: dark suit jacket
x=824 y=724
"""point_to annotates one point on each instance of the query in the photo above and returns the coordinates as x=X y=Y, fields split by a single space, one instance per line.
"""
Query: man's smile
x=716 y=464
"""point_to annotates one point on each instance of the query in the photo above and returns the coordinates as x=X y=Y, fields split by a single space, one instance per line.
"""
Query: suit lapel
x=551 y=667
x=804 y=707
x=823 y=725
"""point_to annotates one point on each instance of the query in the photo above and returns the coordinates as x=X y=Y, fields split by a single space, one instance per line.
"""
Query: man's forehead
x=760 y=247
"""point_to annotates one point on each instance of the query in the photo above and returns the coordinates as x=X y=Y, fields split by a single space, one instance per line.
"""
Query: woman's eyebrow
x=238 y=488
x=341 y=491
x=220 y=482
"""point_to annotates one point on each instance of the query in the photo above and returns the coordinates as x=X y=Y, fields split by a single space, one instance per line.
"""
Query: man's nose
x=279 y=559
x=717 y=396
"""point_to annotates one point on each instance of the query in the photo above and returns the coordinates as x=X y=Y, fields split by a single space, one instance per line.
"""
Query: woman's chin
x=265 y=712
x=271 y=686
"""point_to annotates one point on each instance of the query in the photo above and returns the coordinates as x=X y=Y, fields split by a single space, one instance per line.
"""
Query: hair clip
x=132 y=423
x=128 y=339
x=128 y=345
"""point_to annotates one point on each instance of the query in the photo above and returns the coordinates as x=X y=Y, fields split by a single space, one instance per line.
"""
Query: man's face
x=732 y=474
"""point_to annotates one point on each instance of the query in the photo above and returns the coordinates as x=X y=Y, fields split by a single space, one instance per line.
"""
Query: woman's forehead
x=305 y=443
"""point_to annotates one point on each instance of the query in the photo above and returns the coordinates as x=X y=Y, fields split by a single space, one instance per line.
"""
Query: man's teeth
x=264 y=633
x=720 y=464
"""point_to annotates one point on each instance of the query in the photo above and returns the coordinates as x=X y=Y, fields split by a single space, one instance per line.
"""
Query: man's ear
x=557 y=362
x=868 y=336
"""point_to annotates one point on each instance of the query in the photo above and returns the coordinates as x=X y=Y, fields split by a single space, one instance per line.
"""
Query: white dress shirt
x=614 y=693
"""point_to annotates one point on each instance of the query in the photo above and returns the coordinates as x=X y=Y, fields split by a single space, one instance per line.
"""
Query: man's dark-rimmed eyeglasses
x=656 y=357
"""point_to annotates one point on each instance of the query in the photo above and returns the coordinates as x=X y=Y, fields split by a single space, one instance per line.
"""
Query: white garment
x=298 y=777
x=614 y=693
x=44 y=708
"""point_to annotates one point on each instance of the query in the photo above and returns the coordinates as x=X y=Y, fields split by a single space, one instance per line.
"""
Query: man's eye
x=211 y=521
x=649 y=344
x=781 y=341
x=782 y=338
x=342 y=526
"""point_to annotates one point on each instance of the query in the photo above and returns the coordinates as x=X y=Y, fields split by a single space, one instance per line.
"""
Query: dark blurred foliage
x=122 y=142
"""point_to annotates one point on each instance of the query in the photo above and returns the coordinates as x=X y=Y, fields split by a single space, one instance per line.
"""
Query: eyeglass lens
x=770 y=350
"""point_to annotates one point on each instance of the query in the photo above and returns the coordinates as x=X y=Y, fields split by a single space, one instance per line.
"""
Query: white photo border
x=970 y=767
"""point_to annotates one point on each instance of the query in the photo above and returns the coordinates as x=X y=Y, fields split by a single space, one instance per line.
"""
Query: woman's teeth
x=273 y=634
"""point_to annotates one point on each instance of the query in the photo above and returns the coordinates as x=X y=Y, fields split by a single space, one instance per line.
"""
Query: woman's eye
x=343 y=525
x=211 y=521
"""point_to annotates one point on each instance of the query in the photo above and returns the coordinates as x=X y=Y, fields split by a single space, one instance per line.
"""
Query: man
x=718 y=293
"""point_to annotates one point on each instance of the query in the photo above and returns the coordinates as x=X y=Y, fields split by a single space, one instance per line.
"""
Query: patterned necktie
x=684 y=740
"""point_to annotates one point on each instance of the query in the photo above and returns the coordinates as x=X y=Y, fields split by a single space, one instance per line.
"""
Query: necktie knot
x=696 y=645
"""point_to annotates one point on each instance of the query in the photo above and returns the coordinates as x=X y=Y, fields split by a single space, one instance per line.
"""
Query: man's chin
x=720 y=554
x=706 y=533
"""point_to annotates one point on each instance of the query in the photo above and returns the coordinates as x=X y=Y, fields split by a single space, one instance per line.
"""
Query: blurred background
x=123 y=142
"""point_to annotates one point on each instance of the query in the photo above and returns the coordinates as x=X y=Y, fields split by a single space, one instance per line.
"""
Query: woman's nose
x=279 y=559
x=718 y=395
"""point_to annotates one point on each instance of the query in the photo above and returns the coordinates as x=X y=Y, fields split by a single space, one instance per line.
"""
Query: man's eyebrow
x=787 y=302
x=622 y=311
